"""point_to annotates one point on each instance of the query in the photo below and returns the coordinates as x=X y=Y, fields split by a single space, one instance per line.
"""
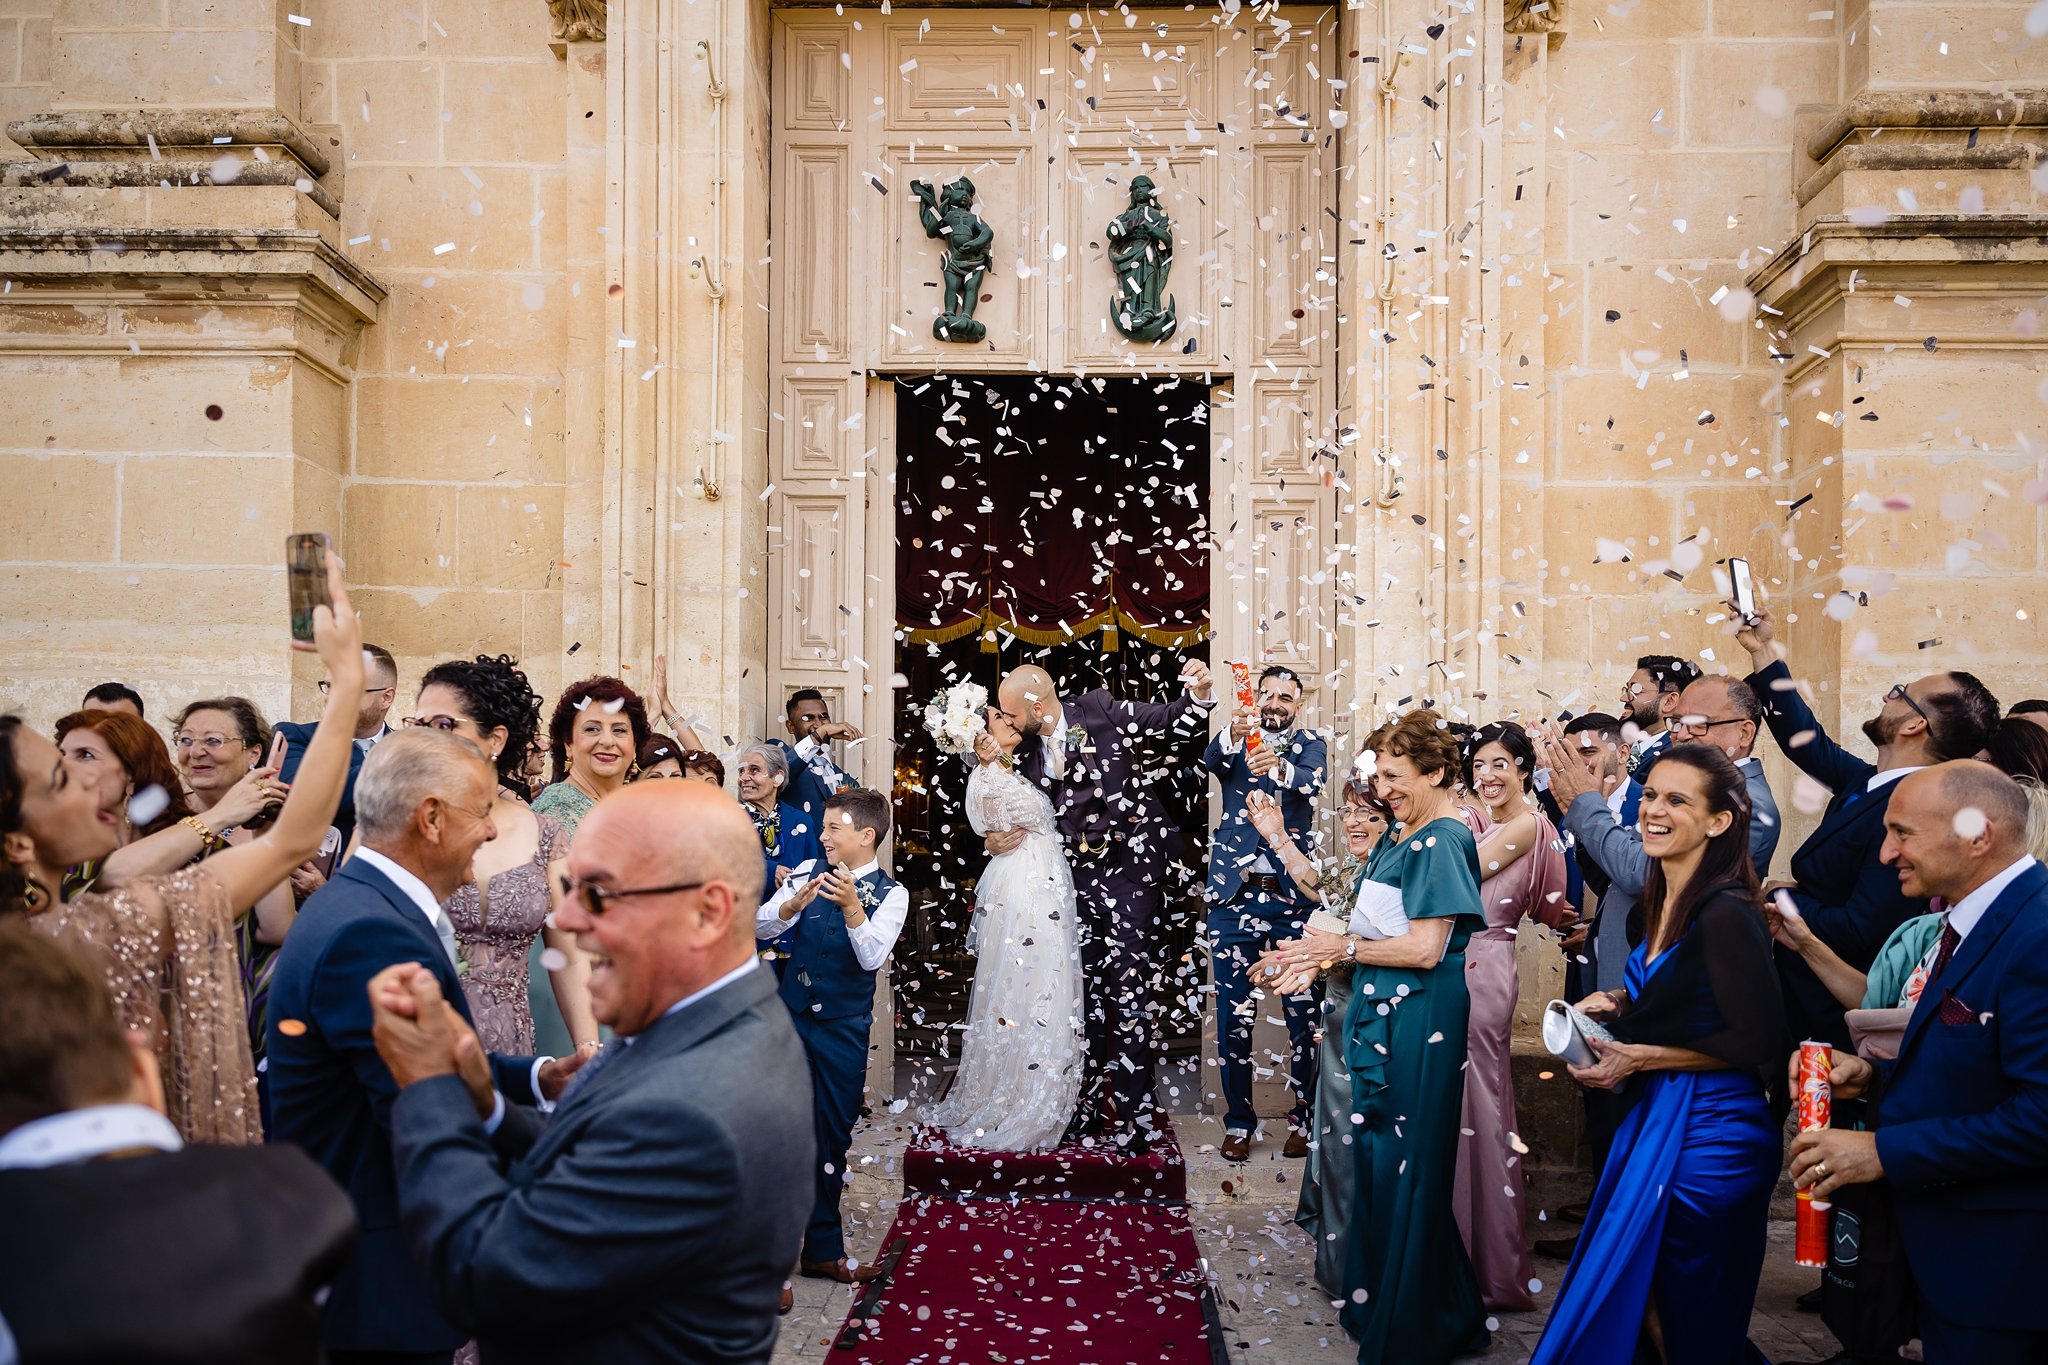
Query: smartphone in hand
x=305 y=563
x=1743 y=589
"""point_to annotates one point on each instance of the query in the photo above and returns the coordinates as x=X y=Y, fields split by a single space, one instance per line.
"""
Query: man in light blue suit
x=1961 y=1127
x=654 y=1216
x=1253 y=905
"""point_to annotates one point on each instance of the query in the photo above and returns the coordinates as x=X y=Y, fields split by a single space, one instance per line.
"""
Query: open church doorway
x=1061 y=522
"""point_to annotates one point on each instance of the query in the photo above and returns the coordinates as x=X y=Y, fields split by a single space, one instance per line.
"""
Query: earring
x=34 y=895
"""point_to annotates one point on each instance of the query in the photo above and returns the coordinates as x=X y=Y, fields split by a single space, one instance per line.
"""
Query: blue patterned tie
x=588 y=1071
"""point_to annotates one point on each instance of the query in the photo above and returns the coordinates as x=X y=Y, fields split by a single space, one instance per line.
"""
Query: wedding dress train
x=1022 y=1052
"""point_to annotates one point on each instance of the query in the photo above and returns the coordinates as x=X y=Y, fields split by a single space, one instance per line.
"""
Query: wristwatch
x=1350 y=948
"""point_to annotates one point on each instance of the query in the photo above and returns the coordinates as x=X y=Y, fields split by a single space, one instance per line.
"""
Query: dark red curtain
x=1052 y=508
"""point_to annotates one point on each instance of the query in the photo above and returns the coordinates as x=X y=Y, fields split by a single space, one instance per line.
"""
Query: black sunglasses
x=597 y=898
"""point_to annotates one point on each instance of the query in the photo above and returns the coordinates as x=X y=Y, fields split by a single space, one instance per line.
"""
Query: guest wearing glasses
x=1725 y=712
x=501 y=912
x=1840 y=886
x=379 y=692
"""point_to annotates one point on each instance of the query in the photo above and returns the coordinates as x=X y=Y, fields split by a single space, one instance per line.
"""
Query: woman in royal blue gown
x=1667 y=1267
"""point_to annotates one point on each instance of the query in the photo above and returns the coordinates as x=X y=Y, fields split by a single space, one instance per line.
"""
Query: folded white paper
x=1378 y=913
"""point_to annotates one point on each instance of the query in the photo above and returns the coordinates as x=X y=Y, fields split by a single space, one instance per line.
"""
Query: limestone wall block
x=511 y=537
x=1744 y=93
x=1611 y=92
x=1660 y=319
x=1678 y=204
x=497 y=110
x=474 y=430
x=1663 y=412
x=65 y=402
x=401 y=534
x=422 y=626
x=470 y=323
x=349 y=28
x=1914 y=45
x=205 y=509
x=408 y=211
x=1772 y=19
x=320 y=429
x=133 y=67
x=59 y=508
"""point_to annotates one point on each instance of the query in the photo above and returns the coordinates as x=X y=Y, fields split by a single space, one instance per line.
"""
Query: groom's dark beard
x=1274 y=720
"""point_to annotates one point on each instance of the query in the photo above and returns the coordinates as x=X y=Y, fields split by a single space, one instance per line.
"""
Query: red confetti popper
x=1810 y=1230
x=1247 y=705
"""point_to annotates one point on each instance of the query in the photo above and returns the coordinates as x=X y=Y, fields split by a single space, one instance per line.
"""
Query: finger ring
x=1820 y=1168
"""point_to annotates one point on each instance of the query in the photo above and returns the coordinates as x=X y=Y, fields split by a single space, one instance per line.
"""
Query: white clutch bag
x=1377 y=912
x=1567 y=1031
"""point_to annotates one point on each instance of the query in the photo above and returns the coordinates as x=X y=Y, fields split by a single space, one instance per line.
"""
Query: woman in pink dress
x=1521 y=866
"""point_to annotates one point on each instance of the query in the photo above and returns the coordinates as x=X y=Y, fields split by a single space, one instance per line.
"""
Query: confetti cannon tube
x=1815 y=1101
x=1247 y=704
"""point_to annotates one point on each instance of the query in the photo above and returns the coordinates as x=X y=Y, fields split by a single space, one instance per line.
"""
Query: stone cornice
x=142 y=148
x=135 y=129
x=1950 y=109
x=577 y=21
x=189 y=262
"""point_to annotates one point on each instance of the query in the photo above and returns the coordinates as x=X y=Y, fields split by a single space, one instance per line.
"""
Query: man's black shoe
x=1558 y=1248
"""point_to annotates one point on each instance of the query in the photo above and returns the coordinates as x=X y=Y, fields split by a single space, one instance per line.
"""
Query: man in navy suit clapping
x=1961 y=1127
x=1847 y=896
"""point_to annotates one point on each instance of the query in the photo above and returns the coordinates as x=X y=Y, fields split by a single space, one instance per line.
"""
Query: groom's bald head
x=1027 y=698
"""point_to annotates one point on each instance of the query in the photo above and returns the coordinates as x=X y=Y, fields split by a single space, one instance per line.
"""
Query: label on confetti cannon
x=1815 y=1103
x=1247 y=705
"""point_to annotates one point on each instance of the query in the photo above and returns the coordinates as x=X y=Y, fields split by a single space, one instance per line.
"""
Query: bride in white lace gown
x=1022 y=1053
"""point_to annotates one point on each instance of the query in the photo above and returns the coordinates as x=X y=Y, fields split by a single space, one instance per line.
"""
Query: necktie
x=588 y=1071
x=444 y=929
x=1949 y=939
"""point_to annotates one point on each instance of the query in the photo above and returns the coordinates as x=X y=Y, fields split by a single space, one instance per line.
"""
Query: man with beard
x=1253 y=905
x=1839 y=886
x=1083 y=752
x=1649 y=701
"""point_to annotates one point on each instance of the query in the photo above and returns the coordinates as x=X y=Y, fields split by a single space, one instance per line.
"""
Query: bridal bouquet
x=955 y=718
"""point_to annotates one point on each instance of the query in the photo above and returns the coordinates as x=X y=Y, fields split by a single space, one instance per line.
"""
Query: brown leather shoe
x=840 y=1270
x=788 y=1299
x=1237 y=1146
x=1297 y=1146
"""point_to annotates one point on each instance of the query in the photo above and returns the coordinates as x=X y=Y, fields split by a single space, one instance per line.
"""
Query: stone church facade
x=575 y=322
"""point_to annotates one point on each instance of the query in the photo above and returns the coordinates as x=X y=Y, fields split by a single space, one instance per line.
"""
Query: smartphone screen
x=305 y=562
x=1744 y=589
x=330 y=849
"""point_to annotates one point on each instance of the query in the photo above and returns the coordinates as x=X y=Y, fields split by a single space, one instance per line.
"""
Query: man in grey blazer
x=655 y=1214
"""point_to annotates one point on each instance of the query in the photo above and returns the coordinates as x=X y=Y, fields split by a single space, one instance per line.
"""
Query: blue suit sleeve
x=2008 y=1139
x=638 y=1201
x=1800 y=736
x=295 y=740
x=514 y=1078
x=341 y=1002
x=1218 y=763
x=1857 y=929
x=1616 y=851
x=1310 y=766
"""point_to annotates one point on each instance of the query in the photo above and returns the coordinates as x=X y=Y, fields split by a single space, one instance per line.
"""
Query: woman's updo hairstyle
x=1423 y=738
x=496 y=693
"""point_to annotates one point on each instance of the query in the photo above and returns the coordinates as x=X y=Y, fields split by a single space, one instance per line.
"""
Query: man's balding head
x=1027 y=698
x=1952 y=827
x=650 y=950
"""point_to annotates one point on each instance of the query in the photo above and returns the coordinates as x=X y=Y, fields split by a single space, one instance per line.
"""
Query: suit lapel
x=1974 y=948
x=396 y=903
x=674 y=1034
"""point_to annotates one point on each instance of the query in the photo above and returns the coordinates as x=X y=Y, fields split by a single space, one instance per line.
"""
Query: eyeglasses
x=1689 y=724
x=598 y=898
x=435 y=722
x=213 y=744
x=1899 y=693
x=326 y=687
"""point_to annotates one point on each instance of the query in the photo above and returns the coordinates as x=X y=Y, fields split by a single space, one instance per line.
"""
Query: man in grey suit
x=655 y=1215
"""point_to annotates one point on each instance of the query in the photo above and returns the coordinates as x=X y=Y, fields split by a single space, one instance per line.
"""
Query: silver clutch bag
x=1567 y=1033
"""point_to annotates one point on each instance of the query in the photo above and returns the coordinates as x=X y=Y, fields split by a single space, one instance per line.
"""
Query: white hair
x=405 y=769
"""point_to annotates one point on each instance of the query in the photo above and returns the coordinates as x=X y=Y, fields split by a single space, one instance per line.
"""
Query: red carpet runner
x=1067 y=1257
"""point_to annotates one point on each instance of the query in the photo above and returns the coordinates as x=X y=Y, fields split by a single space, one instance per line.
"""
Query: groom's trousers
x=1119 y=891
x=1239 y=931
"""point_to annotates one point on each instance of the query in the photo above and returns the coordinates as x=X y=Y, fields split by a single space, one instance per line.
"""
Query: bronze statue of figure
x=1141 y=249
x=950 y=214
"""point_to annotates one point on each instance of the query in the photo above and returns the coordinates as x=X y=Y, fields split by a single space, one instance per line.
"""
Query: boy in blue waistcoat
x=846 y=916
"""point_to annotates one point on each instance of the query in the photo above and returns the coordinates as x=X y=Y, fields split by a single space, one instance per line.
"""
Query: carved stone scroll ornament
x=1534 y=16
x=1141 y=249
x=578 y=21
x=949 y=213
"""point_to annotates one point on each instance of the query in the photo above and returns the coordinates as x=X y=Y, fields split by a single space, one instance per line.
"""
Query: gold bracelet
x=207 y=838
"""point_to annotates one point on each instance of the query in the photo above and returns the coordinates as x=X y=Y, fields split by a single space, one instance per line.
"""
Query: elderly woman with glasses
x=501 y=913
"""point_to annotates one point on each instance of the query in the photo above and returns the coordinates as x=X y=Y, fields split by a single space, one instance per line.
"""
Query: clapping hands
x=420 y=1035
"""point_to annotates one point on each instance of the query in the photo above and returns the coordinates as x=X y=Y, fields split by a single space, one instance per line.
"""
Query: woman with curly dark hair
x=594 y=736
x=500 y=914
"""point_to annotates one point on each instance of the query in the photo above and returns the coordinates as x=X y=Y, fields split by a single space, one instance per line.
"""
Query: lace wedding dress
x=1021 y=1055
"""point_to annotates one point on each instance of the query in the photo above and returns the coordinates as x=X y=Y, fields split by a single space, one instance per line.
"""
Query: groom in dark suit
x=1119 y=839
x=1961 y=1117
x=655 y=1215
x=423 y=808
x=1841 y=886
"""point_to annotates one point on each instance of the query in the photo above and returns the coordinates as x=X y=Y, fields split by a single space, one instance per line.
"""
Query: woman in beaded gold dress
x=167 y=943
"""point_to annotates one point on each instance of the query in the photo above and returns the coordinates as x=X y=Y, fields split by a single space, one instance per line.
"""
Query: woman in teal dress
x=1408 y=1295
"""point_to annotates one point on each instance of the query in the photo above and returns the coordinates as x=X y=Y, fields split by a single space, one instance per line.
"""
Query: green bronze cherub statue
x=950 y=214
x=1141 y=249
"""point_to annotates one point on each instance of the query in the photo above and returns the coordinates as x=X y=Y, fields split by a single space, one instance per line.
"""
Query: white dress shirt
x=1889 y=776
x=1617 y=799
x=817 y=756
x=872 y=939
x=369 y=742
x=1964 y=914
x=83 y=1134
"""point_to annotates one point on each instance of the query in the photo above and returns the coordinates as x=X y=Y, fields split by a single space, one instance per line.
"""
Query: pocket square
x=1954 y=1012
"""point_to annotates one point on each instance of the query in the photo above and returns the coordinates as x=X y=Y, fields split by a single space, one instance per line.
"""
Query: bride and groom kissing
x=1059 y=1033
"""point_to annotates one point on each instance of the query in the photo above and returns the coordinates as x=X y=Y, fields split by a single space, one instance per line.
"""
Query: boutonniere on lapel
x=1074 y=737
x=864 y=892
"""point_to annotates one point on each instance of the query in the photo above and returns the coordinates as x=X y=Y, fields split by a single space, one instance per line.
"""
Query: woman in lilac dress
x=500 y=911
x=1521 y=866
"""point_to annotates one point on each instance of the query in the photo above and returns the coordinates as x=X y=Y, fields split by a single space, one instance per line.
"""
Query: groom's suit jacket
x=1100 y=795
x=652 y=1217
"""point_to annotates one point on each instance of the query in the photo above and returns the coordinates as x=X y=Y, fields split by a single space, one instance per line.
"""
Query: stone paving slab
x=1270 y=1307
